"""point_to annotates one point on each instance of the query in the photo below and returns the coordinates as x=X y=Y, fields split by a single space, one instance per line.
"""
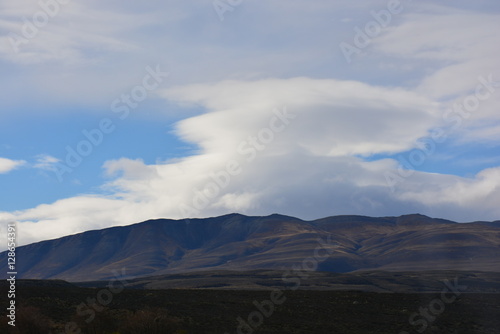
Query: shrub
x=150 y=321
x=29 y=320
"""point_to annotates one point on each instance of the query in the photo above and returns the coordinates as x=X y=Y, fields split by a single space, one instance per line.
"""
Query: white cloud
x=464 y=43
x=63 y=34
x=46 y=162
x=7 y=165
x=459 y=51
x=335 y=118
x=92 y=51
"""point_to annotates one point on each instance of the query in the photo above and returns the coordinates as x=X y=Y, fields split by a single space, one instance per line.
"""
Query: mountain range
x=235 y=242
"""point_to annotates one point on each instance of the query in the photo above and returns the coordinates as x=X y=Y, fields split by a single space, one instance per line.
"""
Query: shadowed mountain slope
x=276 y=242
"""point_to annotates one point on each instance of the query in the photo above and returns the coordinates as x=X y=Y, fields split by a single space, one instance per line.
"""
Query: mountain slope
x=237 y=242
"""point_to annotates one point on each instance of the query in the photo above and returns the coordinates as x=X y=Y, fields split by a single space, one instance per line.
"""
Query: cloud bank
x=279 y=145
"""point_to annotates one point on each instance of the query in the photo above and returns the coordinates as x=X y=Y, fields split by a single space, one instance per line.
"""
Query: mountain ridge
x=239 y=242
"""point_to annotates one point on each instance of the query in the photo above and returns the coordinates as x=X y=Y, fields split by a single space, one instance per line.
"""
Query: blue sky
x=198 y=109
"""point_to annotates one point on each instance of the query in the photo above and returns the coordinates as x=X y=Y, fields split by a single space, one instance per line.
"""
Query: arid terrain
x=47 y=307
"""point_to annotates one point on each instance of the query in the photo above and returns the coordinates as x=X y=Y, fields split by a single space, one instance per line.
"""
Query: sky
x=116 y=112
